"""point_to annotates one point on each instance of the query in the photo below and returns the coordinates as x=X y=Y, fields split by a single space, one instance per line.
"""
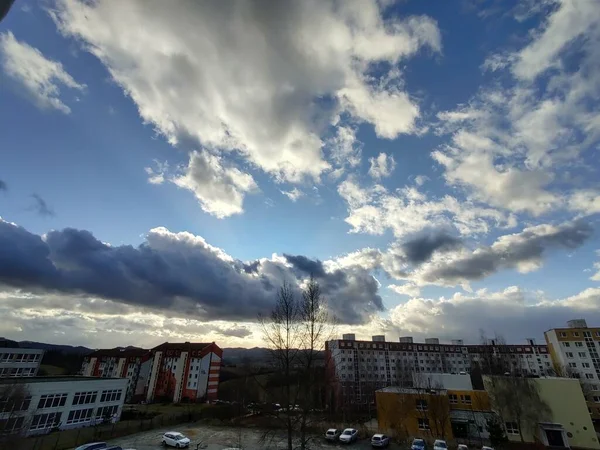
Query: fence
x=69 y=439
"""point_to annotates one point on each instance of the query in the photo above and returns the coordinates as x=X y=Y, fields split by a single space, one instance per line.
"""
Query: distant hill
x=67 y=349
x=237 y=355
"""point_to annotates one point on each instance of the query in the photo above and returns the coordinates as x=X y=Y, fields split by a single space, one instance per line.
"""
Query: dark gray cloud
x=176 y=271
x=422 y=248
x=41 y=207
x=513 y=251
x=3 y=186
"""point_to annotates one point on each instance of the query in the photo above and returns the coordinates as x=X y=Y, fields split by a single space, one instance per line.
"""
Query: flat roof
x=55 y=379
x=401 y=390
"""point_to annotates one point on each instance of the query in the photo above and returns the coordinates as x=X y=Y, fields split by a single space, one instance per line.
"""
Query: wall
x=397 y=415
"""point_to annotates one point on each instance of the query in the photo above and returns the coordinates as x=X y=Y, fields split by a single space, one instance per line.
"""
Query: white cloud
x=346 y=150
x=596 y=267
x=410 y=289
x=157 y=175
x=382 y=166
x=374 y=210
x=41 y=77
x=294 y=194
x=263 y=82
x=512 y=143
x=219 y=187
x=421 y=179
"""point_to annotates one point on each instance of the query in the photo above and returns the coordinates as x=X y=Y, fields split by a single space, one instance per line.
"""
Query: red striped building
x=173 y=372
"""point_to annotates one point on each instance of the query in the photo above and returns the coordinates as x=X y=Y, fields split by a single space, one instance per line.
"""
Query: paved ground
x=219 y=438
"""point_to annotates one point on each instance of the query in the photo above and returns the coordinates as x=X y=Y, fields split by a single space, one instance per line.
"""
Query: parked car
x=332 y=434
x=440 y=444
x=175 y=439
x=462 y=447
x=418 y=444
x=92 y=446
x=349 y=435
x=380 y=440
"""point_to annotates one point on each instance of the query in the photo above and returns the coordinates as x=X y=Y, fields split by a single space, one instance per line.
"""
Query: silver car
x=380 y=440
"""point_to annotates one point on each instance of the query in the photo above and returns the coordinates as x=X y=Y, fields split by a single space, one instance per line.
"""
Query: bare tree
x=15 y=400
x=295 y=333
x=517 y=399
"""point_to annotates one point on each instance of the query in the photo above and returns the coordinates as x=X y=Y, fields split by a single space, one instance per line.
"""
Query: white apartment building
x=37 y=405
x=361 y=367
x=576 y=351
x=20 y=362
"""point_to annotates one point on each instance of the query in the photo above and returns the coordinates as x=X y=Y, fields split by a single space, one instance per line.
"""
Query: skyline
x=435 y=168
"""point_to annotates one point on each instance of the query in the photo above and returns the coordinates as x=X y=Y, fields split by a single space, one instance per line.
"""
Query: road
x=219 y=438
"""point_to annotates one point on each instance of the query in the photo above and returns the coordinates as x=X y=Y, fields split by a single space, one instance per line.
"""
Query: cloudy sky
x=166 y=166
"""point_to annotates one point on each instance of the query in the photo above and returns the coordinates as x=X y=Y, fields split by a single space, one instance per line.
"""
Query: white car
x=462 y=447
x=486 y=448
x=380 y=440
x=440 y=444
x=349 y=435
x=175 y=439
x=332 y=434
x=92 y=446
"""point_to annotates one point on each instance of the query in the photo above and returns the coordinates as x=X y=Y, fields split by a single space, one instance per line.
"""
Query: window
x=597 y=333
x=589 y=376
x=453 y=398
x=586 y=365
x=421 y=405
x=85 y=398
x=582 y=355
x=423 y=424
x=11 y=425
x=45 y=421
x=569 y=355
x=587 y=334
x=563 y=334
x=596 y=398
x=466 y=399
x=52 y=401
x=14 y=404
x=566 y=344
x=574 y=365
x=106 y=411
x=80 y=416
x=512 y=428
x=110 y=396
x=575 y=333
x=578 y=344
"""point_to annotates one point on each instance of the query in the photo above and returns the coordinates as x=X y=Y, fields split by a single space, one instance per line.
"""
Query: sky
x=166 y=167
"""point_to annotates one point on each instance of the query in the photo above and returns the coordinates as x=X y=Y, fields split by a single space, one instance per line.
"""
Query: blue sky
x=347 y=134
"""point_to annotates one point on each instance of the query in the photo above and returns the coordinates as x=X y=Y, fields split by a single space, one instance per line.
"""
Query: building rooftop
x=181 y=346
x=401 y=390
x=55 y=379
x=119 y=352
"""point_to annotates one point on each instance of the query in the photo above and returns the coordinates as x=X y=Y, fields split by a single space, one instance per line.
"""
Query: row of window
x=580 y=354
x=80 y=415
x=19 y=357
x=576 y=334
x=584 y=365
x=52 y=401
x=14 y=403
x=107 y=411
x=453 y=398
x=84 y=398
x=45 y=421
x=110 y=395
x=17 y=372
x=11 y=425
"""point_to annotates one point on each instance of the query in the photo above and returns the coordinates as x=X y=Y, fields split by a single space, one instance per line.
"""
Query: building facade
x=36 y=405
x=187 y=372
x=20 y=362
x=118 y=363
x=359 y=368
x=566 y=423
x=575 y=352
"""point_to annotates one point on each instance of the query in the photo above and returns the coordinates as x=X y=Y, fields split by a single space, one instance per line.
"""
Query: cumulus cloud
x=174 y=271
x=219 y=187
x=522 y=251
x=512 y=142
x=41 y=78
x=407 y=211
x=266 y=83
x=514 y=313
x=382 y=166
x=596 y=267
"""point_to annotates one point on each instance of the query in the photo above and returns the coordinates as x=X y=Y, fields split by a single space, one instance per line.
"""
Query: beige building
x=567 y=422
x=575 y=351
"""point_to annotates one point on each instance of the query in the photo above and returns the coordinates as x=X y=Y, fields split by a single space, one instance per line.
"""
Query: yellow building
x=575 y=352
x=432 y=413
x=562 y=417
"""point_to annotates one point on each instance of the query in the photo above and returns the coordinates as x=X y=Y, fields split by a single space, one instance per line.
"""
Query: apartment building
x=575 y=352
x=118 y=363
x=20 y=362
x=183 y=372
x=36 y=405
x=359 y=368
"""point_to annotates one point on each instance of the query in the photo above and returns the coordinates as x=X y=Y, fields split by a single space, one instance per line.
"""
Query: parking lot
x=218 y=438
